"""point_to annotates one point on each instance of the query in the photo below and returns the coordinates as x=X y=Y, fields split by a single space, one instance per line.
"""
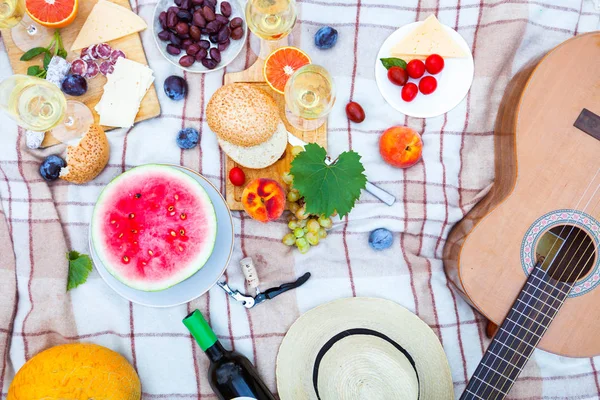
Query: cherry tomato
x=397 y=76
x=409 y=91
x=427 y=85
x=415 y=69
x=355 y=112
x=434 y=64
x=237 y=176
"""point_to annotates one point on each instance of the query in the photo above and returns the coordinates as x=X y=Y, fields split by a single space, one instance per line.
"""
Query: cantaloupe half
x=78 y=371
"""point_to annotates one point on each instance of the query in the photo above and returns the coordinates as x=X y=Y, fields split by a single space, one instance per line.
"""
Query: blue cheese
x=58 y=68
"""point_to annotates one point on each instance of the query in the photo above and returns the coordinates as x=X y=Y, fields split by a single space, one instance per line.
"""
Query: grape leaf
x=328 y=188
x=80 y=267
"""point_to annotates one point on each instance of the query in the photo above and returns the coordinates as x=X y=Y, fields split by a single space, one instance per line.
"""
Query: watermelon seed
x=173 y=233
x=171 y=208
x=120 y=236
x=143 y=263
x=133 y=231
x=150 y=252
x=180 y=248
x=131 y=216
x=183 y=216
x=181 y=232
x=138 y=195
x=172 y=213
x=113 y=221
x=125 y=259
x=176 y=197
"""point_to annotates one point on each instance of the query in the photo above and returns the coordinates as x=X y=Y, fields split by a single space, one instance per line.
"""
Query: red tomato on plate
x=409 y=91
x=434 y=64
x=415 y=69
x=427 y=85
x=398 y=76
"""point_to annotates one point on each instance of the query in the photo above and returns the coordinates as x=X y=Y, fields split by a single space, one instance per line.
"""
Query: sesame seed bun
x=88 y=158
x=242 y=114
x=260 y=156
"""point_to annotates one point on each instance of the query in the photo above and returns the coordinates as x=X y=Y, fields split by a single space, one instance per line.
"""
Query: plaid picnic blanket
x=39 y=222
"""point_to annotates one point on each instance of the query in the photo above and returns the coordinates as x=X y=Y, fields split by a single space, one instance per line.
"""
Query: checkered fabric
x=40 y=221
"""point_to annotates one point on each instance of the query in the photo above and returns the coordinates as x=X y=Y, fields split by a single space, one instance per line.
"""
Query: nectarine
x=264 y=199
x=400 y=146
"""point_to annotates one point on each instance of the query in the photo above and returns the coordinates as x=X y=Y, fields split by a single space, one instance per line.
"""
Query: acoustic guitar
x=527 y=255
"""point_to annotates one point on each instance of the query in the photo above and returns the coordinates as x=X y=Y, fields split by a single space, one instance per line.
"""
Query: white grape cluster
x=306 y=229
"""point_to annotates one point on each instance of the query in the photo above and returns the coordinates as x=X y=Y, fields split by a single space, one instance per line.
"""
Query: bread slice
x=242 y=114
x=261 y=156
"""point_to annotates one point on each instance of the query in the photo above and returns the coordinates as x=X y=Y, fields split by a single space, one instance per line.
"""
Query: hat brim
x=315 y=329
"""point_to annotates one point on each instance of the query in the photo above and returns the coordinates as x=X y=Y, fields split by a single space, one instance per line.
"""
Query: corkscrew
x=253 y=282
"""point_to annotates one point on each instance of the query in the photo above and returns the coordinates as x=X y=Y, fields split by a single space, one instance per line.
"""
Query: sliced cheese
x=107 y=21
x=428 y=38
x=123 y=93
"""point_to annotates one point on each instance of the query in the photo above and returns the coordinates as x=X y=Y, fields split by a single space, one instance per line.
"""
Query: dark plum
x=201 y=55
x=215 y=54
x=74 y=85
x=175 y=87
x=205 y=44
x=209 y=63
x=184 y=15
x=51 y=166
x=208 y=13
x=226 y=9
x=236 y=22
x=223 y=46
x=223 y=34
x=326 y=37
x=164 y=35
x=195 y=33
x=173 y=50
x=237 y=33
x=187 y=61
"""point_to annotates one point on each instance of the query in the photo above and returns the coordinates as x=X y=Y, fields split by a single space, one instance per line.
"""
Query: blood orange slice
x=281 y=64
x=52 y=13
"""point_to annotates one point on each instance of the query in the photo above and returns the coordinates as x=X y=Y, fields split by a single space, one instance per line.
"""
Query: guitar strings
x=569 y=284
x=555 y=242
x=541 y=332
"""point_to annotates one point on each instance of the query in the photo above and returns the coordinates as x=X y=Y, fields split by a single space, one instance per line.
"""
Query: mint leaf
x=47 y=59
x=393 y=62
x=30 y=54
x=34 y=70
x=328 y=188
x=80 y=267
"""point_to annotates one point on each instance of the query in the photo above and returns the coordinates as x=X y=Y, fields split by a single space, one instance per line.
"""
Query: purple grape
x=187 y=61
x=205 y=44
x=173 y=50
x=164 y=35
x=215 y=54
x=223 y=46
x=209 y=63
x=201 y=54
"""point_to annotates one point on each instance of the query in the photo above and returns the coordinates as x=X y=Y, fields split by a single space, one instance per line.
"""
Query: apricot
x=400 y=146
x=264 y=199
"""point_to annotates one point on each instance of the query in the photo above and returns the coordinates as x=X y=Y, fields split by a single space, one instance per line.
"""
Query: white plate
x=454 y=81
x=227 y=56
x=199 y=283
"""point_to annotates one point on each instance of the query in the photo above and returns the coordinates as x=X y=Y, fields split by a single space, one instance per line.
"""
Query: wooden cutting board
x=131 y=45
x=254 y=75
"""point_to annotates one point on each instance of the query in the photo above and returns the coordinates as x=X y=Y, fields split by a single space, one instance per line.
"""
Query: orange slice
x=281 y=64
x=52 y=13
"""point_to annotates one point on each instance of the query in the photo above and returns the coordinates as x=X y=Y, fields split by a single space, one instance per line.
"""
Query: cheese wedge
x=107 y=21
x=428 y=38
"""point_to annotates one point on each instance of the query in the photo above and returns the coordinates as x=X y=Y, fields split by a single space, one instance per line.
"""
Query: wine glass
x=39 y=105
x=25 y=33
x=309 y=97
x=272 y=21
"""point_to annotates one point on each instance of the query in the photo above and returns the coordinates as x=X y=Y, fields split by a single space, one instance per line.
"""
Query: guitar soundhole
x=567 y=252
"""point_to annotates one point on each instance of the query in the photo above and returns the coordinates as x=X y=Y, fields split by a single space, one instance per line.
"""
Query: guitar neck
x=526 y=322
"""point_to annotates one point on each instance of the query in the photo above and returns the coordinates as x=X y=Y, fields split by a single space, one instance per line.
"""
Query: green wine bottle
x=231 y=375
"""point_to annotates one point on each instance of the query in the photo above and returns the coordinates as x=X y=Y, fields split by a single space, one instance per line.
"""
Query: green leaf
x=80 y=267
x=393 y=62
x=62 y=53
x=328 y=188
x=30 y=54
x=34 y=70
x=47 y=59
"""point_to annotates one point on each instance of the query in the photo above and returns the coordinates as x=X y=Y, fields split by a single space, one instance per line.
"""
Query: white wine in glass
x=26 y=34
x=271 y=19
x=309 y=97
x=39 y=105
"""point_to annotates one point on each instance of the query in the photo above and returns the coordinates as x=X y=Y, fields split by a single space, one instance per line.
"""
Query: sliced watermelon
x=153 y=227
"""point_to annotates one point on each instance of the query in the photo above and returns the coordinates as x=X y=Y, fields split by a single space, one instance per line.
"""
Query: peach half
x=264 y=199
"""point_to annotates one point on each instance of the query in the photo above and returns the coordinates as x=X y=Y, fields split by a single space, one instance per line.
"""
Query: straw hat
x=362 y=349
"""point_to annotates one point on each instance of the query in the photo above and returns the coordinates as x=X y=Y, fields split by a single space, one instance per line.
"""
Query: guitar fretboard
x=526 y=322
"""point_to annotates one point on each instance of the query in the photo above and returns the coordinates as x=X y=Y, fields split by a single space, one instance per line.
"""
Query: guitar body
x=547 y=179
